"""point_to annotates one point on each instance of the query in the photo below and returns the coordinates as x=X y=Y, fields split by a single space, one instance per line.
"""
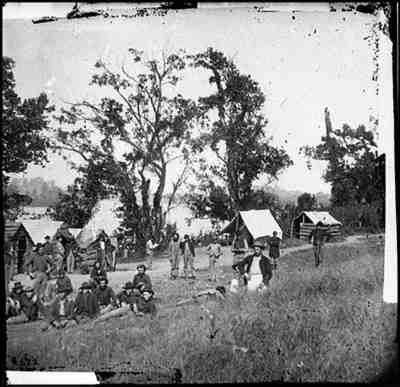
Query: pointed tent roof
x=259 y=223
x=75 y=231
x=39 y=228
x=320 y=216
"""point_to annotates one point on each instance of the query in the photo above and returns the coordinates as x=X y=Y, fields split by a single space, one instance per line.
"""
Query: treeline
x=42 y=193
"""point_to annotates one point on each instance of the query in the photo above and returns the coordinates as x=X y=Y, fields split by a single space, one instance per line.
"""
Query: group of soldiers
x=95 y=300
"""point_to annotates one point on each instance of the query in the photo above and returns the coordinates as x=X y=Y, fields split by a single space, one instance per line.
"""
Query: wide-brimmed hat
x=141 y=265
x=258 y=244
x=128 y=285
x=85 y=285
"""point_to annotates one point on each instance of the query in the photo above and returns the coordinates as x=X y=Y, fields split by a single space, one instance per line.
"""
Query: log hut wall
x=334 y=231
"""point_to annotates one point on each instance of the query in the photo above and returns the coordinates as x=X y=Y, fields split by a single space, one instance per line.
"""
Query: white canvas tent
x=104 y=219
x=75 y=231
x=39 y=228
x=259 y=223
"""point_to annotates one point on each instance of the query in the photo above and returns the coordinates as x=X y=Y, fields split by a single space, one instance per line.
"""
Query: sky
x=316 y=60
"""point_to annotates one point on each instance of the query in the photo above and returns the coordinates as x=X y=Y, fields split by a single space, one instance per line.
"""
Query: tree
x=236 y=135
x=306 y=202
x=24 y=123
x=75 y=206
x=351 y=156
x=131 y=140
x=209 y=200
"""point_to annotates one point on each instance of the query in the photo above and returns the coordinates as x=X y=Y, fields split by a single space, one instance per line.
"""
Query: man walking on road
x=274 y=248
x=188 y=256
x=150 y=247
x=214 y=252
x=318 y=236
x=174 y=254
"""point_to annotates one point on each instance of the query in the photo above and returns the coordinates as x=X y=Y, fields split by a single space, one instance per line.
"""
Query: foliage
x=75 y=206
x=236 y=135
x=315 y=325
x=23 y=125
x=351 y=169
x=150 y=121
x=306 y=202
x=43 y=193
x=209 y=200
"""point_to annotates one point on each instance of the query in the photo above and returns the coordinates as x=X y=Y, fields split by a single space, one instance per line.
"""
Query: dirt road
x=161 y=266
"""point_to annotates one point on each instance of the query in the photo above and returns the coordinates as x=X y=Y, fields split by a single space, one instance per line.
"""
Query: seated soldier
x=105 y=296
x=63 y=282
x=141 y=277
x=127 y=296
x=97 y=273
x=28 y=304
x=61 y=313
x=145 y=304
x=86 y=306
x=125 y=299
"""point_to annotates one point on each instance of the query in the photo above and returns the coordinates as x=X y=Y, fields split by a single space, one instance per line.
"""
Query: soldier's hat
x=128 y=285
x=85 y=285
x=103 y=279
x=141 y=265
x=258 y=244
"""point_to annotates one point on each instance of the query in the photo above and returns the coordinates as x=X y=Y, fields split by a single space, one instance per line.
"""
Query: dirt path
x=161 y=266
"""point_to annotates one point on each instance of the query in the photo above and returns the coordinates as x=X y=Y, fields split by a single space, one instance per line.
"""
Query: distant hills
x=46 y=193
x=290 y=196
x=43 y=193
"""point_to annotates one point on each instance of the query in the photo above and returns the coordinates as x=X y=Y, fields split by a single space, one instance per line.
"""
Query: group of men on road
x=94 y=301
x=97 y=301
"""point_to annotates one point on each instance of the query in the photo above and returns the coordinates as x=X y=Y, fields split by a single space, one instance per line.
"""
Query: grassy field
x=313 y=325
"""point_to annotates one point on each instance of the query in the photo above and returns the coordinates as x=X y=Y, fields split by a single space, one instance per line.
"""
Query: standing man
x=38 y=266
x=188 y=253
x=59 y=252
x=318 y=236
x=174 y=254
x=214 y=252
x=150 y=247
x=9 y=260
x=274 y=248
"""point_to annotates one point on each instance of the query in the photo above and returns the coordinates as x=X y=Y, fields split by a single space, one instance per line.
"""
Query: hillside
x=43 y=193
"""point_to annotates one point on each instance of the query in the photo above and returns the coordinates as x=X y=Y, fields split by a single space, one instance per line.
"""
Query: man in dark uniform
x=274 y=248
x=247 y=267
x=86 y=306
x=141 y=277
x=318 y=235
x=105 y=296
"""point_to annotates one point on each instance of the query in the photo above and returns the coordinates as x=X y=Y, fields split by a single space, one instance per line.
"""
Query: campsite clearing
x=330 y=324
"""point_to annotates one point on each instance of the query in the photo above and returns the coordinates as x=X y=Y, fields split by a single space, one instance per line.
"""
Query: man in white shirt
x=150 y=247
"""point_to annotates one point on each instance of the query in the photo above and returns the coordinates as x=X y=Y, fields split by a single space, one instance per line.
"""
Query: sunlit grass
x=314 y=324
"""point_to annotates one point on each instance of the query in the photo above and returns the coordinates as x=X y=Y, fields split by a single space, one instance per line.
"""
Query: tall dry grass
x=313 y=325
